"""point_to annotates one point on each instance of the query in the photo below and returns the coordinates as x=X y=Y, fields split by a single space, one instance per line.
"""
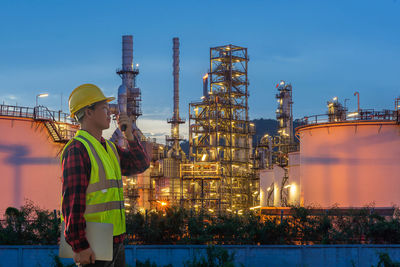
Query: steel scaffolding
x=221 y=177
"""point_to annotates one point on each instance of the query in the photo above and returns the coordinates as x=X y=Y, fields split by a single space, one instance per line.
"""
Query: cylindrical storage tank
x=279 y=174
x=350 y=164
x=29 y=164
x=266 y=185
x=294 y=197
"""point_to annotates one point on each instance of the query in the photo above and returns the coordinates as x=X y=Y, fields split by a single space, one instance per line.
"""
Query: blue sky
x=324 y=48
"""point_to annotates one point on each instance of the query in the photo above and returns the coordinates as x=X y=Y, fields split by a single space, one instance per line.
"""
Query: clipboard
x=100 y=238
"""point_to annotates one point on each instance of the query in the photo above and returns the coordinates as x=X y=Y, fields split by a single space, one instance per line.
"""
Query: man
x=92 y=170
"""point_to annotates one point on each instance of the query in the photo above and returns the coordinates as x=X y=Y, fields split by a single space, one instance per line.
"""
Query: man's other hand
x=124 y=119
x=84 y=257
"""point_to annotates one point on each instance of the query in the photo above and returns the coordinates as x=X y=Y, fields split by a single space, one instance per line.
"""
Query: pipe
x=175 y=73
x=358 y=101
x=205 y=85
x=127 y=52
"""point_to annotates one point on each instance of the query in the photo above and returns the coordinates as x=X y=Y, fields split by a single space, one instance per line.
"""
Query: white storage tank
x=350 y=164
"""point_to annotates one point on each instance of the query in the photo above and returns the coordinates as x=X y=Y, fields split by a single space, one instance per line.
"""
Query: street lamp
x=40 y=95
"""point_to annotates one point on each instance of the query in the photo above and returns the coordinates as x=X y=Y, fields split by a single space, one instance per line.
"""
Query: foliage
x=32 y=225
x=57 y=262
x=216 y=257
x=29 y=225
x=147 y=263
x=386 y=261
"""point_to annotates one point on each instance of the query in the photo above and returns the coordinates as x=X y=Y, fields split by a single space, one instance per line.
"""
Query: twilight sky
x=324 y=48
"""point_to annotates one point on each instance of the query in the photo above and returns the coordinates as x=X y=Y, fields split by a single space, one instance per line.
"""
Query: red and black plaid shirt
x=76 y=169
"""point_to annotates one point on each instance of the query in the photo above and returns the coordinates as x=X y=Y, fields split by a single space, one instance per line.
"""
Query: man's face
x=100 y=115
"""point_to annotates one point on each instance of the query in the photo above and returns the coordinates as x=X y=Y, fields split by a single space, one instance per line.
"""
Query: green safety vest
x=104 y=194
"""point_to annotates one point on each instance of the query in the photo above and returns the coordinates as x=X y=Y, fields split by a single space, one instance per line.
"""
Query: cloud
x=9 y=99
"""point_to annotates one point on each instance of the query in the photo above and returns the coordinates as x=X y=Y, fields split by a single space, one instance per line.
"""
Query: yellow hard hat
x=85 y=95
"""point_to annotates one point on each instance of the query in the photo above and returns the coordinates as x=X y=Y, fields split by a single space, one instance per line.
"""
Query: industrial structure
x=273 y=153
x=350 y=159
x=221 y=175
x=28 y=165
x=344 y=158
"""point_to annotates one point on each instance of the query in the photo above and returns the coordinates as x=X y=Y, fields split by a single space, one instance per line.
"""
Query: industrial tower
x=221 y=176
x=170 y=183
x=129 y=98
x=273 y=151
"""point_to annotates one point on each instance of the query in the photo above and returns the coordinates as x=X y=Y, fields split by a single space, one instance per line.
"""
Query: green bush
x=32 y=225
x=216 y=257
x=29 y=225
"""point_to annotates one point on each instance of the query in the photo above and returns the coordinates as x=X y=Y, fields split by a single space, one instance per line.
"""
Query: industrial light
x=205 y=76
x=335 y=98
x=137 y=65
x=163 y=203
x=41 y=95
x=210 y=210
x=269 y=188
x=127 y=204
x=203 y=158
x=256 y=207
x=352 y=114
x=289 y=185
x=282 y=83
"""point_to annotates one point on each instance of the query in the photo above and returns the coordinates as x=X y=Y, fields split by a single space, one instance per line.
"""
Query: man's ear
x=88 y=112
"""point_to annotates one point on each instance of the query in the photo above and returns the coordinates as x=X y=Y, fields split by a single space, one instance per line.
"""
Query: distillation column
x=175 y=154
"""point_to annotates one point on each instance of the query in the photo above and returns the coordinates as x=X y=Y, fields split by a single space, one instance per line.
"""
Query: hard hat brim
x=108 y=99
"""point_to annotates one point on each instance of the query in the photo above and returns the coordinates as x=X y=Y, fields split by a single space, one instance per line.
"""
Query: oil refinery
x=348 y=159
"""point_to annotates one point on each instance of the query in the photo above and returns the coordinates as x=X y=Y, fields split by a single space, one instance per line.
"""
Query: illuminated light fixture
x=256 y=207
x=163 y=204
x=289 y=185
x=202 y=97
x=352 y=114
x=137 y=65
x=41 y=95
x=335 y=98
x=330 y=105
x=127 y=204
x=229 y=210
x=282 y=83
x=205 y=76
x=203 y=158
x=210 y=210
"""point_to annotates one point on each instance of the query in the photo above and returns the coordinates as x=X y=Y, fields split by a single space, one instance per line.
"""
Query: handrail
x=37 y=113
x=363 y=114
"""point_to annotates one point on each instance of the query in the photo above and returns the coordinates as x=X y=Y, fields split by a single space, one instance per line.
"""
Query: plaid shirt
x=76 y=169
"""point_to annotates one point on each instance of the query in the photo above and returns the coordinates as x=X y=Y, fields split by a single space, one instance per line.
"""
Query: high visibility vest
x=104 y=194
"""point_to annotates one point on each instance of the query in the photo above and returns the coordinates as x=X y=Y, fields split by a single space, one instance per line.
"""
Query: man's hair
x=81 y=113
